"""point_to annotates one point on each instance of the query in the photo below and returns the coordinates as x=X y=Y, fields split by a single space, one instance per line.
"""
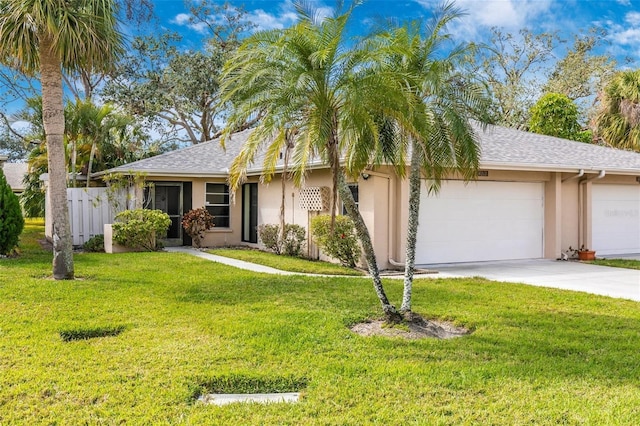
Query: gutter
x=579 y=175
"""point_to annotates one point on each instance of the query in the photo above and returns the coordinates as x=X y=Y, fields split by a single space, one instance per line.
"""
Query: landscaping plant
x=11 y=220
x=290 y=242
x=293 y=240
x=195 y=222
x=94 y=244
x=268 y=234
x=341 y=244
x=140 y=228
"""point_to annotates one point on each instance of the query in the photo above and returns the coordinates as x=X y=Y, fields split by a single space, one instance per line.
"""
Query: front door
x=167 y=196
x=250 y=212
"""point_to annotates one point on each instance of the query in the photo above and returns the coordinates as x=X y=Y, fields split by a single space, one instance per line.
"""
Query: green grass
x=536 y=356
x=618 y=263
x=286 y=263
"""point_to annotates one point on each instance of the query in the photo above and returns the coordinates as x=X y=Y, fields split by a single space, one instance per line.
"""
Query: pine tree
x=11 y=220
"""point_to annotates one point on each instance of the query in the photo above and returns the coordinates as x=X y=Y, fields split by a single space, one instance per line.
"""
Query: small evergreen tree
x=11 y=220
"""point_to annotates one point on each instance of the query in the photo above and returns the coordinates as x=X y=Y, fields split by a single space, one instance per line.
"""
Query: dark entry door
x=250 y=212
x=167 y=196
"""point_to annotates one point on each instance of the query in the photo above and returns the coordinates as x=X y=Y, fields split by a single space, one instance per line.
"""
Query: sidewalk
x=241 y=264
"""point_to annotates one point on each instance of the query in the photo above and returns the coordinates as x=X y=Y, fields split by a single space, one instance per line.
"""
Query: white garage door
x=481 y=221
x=615 y=219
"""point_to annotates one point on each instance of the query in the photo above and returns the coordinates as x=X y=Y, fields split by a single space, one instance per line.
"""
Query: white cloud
x=182 y=19
x=284 y=15
x=624 y=2
x=482 y=14
x=633 y=18
x=624 y=35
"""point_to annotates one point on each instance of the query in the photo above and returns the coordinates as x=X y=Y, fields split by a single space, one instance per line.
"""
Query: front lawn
x=176 y=325
x=618 y=263
x=286 y=263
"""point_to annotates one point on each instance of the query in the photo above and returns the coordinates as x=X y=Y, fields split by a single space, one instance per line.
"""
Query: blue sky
x=620 y=18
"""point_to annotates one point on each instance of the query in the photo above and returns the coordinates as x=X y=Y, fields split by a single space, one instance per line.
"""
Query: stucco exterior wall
x=570 y=213
x=383 y=200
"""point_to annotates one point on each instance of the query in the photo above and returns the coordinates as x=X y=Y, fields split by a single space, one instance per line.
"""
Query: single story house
x=534 y=197
x=14 y=173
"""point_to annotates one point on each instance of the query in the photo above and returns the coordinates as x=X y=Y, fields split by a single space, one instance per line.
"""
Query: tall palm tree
x=443 y=141
x=618 y=121
x=45 y=37
x=306 y=78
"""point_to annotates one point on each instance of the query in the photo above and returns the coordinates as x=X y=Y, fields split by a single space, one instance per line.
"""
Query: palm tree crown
x=618 y=122
x=304 y=82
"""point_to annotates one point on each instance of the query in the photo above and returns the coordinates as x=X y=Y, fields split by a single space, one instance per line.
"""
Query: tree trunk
x=412 y=230
x=287 y=152
x=90 y=165
x=389 y=310
x=53 y=121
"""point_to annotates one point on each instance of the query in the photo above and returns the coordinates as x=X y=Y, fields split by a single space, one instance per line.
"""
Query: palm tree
x=443 y=141
x=305 y=78
x=45 y=37
x=618 y=121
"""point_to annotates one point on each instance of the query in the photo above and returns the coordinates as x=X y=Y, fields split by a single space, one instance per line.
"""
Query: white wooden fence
x=89 y=210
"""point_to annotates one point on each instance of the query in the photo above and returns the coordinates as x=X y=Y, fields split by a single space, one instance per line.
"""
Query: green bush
x=341 y=244
x=195 y=222
x=94 y=244
x=140 y=228
x=11 y=220
x=292 y=241
x=269 y=236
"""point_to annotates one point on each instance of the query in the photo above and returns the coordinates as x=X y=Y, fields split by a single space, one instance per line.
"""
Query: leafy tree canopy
x=556 y=115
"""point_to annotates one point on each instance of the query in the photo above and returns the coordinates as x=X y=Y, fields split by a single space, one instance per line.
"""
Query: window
x=217 y=203
x=354 y=192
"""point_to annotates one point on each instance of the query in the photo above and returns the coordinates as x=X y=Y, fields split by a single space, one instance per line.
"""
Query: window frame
x=227 y=205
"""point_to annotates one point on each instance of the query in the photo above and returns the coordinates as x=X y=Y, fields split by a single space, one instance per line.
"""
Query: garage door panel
x=615 y=219
x=481 y=221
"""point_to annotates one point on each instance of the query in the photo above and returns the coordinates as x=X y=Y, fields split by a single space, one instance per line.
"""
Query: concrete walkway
x=603 y=280
x=230 y=262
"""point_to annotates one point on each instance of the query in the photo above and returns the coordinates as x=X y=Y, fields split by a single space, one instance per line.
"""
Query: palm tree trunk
x=90 y=165
x=74 y=157
x=53 y=121
x=287 y=152
x=389 y=310
x=412 y=231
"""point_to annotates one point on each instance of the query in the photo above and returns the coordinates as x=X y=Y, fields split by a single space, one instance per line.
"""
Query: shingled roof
x=14 y=173
x=501 y=148
x=204 y=159
x=514 y=149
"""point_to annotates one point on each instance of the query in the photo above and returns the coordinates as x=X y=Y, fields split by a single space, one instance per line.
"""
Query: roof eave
x=494 y=165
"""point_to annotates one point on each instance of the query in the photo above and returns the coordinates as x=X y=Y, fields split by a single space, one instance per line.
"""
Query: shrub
x=293 y=240
x=140 y=228
x=195 y=222
x=269 y=236
x=11 y=220
x=342 y=244
x=94 y=244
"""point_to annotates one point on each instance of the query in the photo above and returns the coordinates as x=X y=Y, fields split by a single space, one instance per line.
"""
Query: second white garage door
x=616 y=218
x=481 y=221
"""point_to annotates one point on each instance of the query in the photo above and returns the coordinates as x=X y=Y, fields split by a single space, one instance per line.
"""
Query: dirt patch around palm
x=417 y=328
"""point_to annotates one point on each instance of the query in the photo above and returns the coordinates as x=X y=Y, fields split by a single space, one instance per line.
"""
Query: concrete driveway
x=571 y=275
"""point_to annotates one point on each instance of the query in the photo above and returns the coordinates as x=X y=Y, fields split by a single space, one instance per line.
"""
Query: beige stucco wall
x=383 y=199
